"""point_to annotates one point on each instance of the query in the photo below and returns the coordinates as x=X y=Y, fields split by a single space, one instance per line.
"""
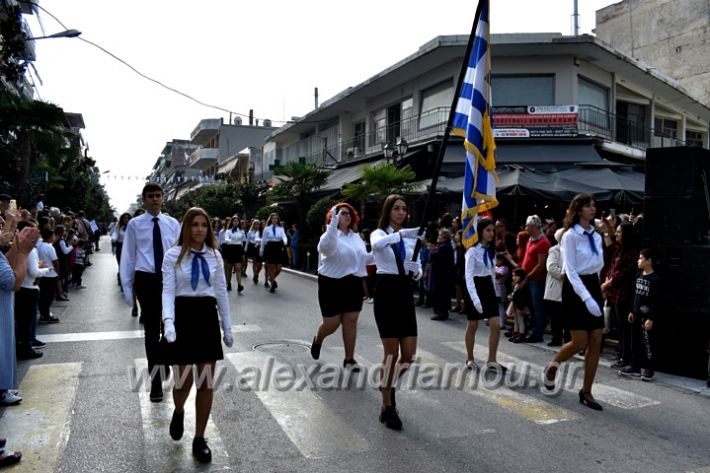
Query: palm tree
x=377 y=182
x=299 y=181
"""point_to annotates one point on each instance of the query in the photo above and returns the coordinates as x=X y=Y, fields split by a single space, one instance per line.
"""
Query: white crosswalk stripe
x=39 y=427
x=603 y=393
x=306 y=419
x=162 y=453
x=122 y=334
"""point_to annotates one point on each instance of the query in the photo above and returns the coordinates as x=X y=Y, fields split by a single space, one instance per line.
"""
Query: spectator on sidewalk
x=442 y=275
x=534 y=264
x=47 y=283
x=553 y=294
x=79 y=265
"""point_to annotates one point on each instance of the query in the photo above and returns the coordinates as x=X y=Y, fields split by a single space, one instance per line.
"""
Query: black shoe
x=240 y=288
x=390 y=417
x=201 y=451
x=555 y=343
x=440 y=317
x=619 y=365
x=229 y=286
x=588 y=400
x=156 y=392
x=274 y=285
x=134 y=311
x=29 y=354
x=38 y=344
x=532 y=339
x=266 y=283
x=315 y=349
x=352 y=365
x=177 y=425
x=496 y=367
x=49 y=320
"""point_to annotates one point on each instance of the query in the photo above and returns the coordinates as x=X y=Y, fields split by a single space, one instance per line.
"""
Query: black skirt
x=574 y=311
x=337 y=296
x=273 y=252
x=487 y=294
x=395 y=315
x=198 y=338
x=233 y=254
x=253 y=253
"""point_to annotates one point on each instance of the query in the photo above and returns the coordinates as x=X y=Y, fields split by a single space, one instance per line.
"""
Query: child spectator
x=643 y=316
x=501 y=286
x=79 y=264
x=519 y=307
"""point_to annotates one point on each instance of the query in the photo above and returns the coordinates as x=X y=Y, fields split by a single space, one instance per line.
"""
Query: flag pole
x=447 y=132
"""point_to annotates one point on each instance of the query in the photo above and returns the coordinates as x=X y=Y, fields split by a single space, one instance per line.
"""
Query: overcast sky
x=239 y=55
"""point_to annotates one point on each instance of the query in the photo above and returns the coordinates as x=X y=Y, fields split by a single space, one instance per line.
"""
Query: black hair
x=629 y=236
x=649 y=253
x=151 y=187
x=23 y=224
x=520 y=272
x=47 y=233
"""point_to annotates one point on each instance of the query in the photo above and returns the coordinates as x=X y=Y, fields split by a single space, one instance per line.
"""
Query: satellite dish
x=237 y=120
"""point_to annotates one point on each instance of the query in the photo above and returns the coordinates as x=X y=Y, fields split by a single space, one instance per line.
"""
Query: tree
x=377 y=182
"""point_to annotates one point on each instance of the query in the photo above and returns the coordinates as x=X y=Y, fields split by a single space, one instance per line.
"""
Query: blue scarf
x=488 y=256
x=199 y=260
x=592 y=245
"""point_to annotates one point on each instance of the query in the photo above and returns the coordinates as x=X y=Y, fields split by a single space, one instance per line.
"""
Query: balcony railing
x=203 y=157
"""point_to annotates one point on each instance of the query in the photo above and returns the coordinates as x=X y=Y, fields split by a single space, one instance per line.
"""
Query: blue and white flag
x=472 y=121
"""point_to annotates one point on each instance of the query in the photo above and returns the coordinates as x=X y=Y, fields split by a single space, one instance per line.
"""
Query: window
x=511 y=90
x=631 y=123
x=359 y=136
x=435 y=103
x=590 y=93
x=378 y=126
x=665 y=127
x=694 y=138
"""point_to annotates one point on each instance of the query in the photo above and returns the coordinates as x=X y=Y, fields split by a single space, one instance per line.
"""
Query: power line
x=155 y=81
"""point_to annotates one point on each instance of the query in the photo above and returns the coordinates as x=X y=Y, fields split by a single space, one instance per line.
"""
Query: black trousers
x=623 y=329
x=47 y=286
x=148 y=288
x=25 y=310
x=644 y=345
x=557 y=327
x=76 y=272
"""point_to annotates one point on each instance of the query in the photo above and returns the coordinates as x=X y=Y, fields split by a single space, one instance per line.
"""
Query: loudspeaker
x=676 y=171
x=673 y=220
x=682 y=343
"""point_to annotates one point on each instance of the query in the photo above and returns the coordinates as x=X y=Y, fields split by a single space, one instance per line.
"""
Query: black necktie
x=157 y=248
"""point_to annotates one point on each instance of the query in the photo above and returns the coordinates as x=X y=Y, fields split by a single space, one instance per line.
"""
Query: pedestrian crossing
x=317 y=427
x=123 y=334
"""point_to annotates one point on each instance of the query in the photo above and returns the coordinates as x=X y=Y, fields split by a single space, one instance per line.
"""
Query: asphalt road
x=275 y=409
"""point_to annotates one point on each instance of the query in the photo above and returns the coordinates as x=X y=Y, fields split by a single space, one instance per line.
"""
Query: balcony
x=202 y=158
x=205 y=131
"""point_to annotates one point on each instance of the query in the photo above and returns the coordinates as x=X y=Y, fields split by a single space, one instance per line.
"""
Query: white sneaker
x=8 y=398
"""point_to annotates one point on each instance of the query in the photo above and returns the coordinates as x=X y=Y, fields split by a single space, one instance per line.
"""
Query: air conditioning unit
x=353 y=152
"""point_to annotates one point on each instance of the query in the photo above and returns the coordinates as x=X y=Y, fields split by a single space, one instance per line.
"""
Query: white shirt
x=66 y=249
x=33 y=270
x=234 y=236
x=177 y=283
x=475 y=266
x=119 y=235
x=579 y=259
x=380 y=240
x=253 y=237
x=273 y=233
x=47 y=253
x=342 y=254
x=137 y=252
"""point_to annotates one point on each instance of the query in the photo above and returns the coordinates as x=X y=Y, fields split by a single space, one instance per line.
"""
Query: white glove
x=409 y=232
x=413 y=268
x=228 y=339
x=169 y=330
x=334 y=217
x=477 y=304
x=593 y=307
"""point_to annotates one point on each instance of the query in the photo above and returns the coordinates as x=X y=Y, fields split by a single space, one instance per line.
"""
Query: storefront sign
x=535 y=121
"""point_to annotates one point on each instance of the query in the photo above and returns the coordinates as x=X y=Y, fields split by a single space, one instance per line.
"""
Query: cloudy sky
x=239 y=55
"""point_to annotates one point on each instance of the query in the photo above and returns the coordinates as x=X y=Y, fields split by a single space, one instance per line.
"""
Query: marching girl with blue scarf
x=194 y=291
x=582 y=261
x=233 y=252
x=480 y=301
x=273 y=243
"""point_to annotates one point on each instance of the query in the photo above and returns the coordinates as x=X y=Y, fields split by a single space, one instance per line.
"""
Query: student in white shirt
x=119 y=233
x=343 y=261
x=273 y=242
x=233 y=253
x=48 y=282
x=226 y=225
x=253 y=245
x=194 y=302
x=147 y=238
x=582 y=260
x=480 y=300
x=395 y=316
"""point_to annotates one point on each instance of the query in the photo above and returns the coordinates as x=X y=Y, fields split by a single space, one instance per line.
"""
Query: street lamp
x=72 y=33
x=395 y=152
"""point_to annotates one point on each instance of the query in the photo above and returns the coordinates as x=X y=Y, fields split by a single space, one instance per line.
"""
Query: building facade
x=671 y=35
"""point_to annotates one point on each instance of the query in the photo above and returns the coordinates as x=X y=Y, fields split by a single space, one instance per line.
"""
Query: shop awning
x=341 y=176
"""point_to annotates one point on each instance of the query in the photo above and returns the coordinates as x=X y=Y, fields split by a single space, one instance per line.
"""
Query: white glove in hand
x=228 y=339
x=169 y=330
x=334 y=217
x=593 y=307
x=477 y=304
x=413 y=268
x=409 y=232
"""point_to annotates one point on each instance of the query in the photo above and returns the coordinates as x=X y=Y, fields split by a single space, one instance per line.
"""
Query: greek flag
x=472 y=121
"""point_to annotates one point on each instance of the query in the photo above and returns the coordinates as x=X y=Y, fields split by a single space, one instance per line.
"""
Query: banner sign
x=535 y=121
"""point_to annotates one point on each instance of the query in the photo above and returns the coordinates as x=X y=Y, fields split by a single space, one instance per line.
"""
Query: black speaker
x=680 y=171
x=683 y=342
x=673 y=220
